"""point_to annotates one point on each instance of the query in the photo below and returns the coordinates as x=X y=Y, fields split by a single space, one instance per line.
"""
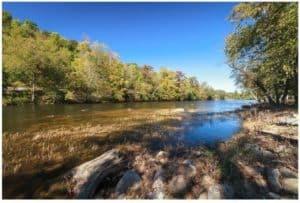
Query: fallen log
x=86 y=177
x=293 y=141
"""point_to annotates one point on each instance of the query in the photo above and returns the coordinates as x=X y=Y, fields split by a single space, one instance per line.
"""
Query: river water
x=202 y=130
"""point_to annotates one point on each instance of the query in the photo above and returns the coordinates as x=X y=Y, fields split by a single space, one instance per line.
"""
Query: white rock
x=290 y=185
x=219 y=191
x=158 y=185
x=162 y=157
x=203 y=195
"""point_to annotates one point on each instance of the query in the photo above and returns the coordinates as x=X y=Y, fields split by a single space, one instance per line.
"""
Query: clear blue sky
x=181 y=36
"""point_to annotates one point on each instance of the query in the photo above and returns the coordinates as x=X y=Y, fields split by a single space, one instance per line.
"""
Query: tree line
x=263 y=50
x=47 y=68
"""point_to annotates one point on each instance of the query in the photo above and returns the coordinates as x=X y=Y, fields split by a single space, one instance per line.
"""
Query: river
x=202 y=130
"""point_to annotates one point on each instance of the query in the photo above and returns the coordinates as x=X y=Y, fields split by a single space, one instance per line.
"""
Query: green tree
x=263 y=50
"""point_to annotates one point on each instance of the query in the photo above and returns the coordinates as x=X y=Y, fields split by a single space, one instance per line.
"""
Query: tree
x=33 y=59
x=263 y=50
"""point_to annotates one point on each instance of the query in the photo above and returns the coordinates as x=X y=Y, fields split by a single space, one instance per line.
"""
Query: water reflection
x=209 y=129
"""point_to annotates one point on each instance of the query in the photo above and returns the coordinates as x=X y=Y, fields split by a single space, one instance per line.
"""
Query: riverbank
x=260 y=162
x=238 y=168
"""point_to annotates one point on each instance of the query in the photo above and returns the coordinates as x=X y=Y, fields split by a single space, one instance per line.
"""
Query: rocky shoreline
x=260 y=162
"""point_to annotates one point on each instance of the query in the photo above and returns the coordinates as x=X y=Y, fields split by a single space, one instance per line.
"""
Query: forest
x=43 y=67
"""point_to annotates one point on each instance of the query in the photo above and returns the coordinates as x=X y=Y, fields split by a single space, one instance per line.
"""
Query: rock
x=215 y=192
x=187 y=162
x=228 y=191
x=259 y=152
x=249 y=189
x=203 y=195
x=252 y=174
x=158 y=189
x=130 y=181
x=158 y=185
x=287 y=173
x=86 y=177
x=273 y=195
x=207 y=181
x=290 y=185
x=189 y=169
x=220 y=191
x=178 y=185
x=288 y=121
x=162 y=157
x=280 y=148
x=197 y=153
x=273 y=179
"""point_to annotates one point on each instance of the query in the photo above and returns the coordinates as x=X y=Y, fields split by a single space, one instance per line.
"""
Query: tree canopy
x=263 y=50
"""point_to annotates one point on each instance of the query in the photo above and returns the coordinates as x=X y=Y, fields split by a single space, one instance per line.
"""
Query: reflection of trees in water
x=202 y=119
x=198 y=130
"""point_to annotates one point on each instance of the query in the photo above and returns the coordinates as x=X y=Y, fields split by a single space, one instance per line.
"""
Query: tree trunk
x=86 y=177
x=285 y=93
x=277 y=96
x=264 y=90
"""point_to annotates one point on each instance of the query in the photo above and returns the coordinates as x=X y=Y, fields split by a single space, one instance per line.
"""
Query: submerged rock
x=290 y=185
x=130 y=181
x=273 y=179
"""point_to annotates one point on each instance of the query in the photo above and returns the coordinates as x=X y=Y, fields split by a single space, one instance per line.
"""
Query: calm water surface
x=202 y=130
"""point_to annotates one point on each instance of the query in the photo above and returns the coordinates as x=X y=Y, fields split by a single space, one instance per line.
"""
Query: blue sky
x=181 y=36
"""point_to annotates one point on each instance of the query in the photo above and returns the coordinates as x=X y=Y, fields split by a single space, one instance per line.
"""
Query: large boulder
x=130 y=181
